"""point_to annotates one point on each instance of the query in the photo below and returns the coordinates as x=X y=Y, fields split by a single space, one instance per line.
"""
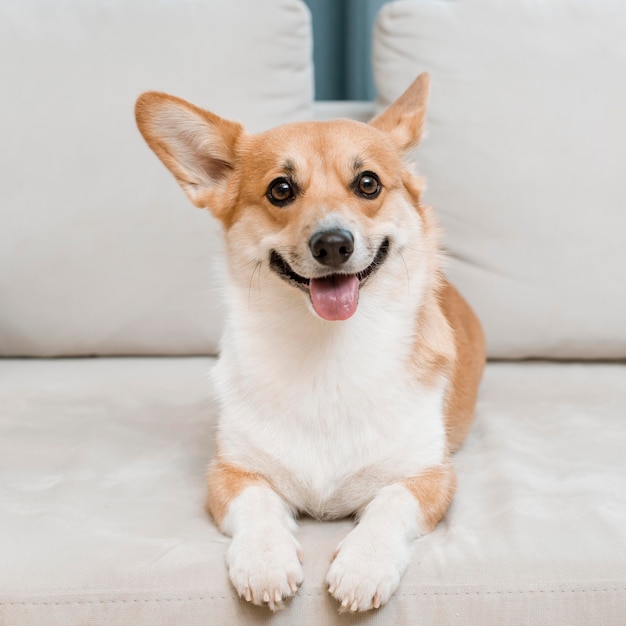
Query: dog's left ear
x=404 y=118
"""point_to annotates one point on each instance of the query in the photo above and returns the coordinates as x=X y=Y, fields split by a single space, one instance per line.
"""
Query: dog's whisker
x=406 y=269
x=256 y=267
x=254 y=262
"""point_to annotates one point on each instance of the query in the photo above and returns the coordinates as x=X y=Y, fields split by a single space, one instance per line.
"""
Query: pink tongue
x=335 y=297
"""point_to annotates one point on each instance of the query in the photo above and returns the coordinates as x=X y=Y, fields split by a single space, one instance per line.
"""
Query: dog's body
x=349 y=366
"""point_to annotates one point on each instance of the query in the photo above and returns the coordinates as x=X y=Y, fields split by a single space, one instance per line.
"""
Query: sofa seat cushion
x=102 y=487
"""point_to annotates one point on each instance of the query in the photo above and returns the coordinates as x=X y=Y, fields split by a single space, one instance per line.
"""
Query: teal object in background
x=342 y=48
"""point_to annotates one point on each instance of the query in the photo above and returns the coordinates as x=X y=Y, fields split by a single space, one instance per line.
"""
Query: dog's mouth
x=334 y=296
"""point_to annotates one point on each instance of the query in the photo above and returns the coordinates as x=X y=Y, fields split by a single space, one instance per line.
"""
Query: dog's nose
x=332 y=247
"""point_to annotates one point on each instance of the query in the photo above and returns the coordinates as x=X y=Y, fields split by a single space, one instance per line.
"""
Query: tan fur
x=468 y=365
x=325 y=181
x=197 y=146
x=433 y=489
x=434 y=351
x=450 y=342
x=449 y=339
x=225 y=483
x=404 y=119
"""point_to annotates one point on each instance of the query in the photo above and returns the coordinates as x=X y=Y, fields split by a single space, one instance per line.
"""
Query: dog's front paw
x=265 y=566
x=366 y=569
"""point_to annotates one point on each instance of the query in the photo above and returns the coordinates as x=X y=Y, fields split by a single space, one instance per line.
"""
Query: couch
x=110 y=308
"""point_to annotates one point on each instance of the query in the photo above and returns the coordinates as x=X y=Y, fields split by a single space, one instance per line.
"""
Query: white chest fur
x=328 y=412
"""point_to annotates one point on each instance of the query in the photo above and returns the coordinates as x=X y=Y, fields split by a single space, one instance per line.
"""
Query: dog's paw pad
x=265 y=568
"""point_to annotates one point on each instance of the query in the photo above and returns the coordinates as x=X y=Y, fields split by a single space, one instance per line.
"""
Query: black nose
x=332 y=247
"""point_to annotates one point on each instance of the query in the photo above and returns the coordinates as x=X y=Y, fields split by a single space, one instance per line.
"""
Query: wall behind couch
x=342 y=50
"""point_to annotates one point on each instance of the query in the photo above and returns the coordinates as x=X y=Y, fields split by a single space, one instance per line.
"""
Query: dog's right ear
x=404 y=118
x=198 y=147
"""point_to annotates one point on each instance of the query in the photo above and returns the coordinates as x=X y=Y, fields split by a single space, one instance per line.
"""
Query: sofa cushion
x=523 y=161
x=100 y=252
x=102 y=488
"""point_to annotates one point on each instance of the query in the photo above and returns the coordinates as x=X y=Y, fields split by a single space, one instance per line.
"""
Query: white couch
x=102 y=459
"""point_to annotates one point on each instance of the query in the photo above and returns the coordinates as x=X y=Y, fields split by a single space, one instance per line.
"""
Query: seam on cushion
x=511 y=592
x=417 y=593
x=115 y=601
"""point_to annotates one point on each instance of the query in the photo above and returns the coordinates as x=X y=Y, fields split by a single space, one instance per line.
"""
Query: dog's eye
x=280 y=192
x=367 y=185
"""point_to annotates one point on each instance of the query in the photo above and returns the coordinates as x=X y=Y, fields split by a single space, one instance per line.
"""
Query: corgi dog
x=349 y=366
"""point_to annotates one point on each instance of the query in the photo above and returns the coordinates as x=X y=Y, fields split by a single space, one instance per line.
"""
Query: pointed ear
x=198 y=147
x=404 y=118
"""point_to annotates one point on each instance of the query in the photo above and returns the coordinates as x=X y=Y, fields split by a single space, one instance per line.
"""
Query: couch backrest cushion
x=524 y=161
x=100 y=252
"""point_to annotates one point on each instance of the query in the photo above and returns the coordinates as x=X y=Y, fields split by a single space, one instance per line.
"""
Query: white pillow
x=525 y=161
x=100 y=252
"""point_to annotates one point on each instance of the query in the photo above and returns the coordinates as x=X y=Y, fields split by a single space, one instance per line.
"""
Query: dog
x=349 y=366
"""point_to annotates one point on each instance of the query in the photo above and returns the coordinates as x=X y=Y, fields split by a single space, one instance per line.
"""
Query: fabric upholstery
x=523 y=161
x=102 y=487
x=100 y=252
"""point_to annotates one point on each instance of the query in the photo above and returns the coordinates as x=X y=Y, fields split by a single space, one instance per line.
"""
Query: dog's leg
x=371 y=559
x=264 y=559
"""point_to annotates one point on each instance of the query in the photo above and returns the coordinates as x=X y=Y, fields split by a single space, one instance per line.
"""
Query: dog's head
x=324 y=207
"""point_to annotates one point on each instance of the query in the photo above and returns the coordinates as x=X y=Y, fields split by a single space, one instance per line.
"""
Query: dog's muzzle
x=335 y=295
